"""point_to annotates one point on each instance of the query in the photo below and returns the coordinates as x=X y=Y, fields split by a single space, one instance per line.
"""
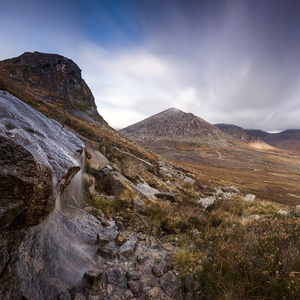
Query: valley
x=223 y=158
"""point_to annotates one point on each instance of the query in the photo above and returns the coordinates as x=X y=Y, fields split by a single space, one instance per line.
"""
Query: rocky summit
x=52 y=77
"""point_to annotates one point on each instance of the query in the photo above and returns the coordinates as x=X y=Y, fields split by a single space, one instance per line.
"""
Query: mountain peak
x=173 y=124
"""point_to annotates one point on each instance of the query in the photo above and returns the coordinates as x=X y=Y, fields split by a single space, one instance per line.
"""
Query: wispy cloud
x=225 y=61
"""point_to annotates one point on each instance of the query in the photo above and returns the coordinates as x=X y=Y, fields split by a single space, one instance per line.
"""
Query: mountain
x=52 y=78
x=176 y=125
x=235 y=131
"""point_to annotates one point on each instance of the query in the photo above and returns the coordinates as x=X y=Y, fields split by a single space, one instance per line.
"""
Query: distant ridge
x=236 y=131
x=287 y=139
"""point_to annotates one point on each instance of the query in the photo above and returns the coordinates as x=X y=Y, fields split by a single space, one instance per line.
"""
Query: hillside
x=236 y=131
x=288 y=139
x=228 y=157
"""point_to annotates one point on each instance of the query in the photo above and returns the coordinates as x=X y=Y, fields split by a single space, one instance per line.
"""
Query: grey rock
x=64 y=296
x=141 y=258
x=138 y=205
x=79 y=296
x=120 y=239
x=128 y=249
x=249 y=197
x=167 y=196
x=133 y=275
x=189 y=296
x=170 y=285
x=106 y=235
x=109 y=250
x=160 y=269
x=105 y=223
x=97 y=162
x=37 y=154
x=128 y=295
x=92 y=280
x=282 y=212
x=153 y=294
x=295 y=212
x=189 y=283
x=136 y=287
x=189 y=180
x=105 y=171
x=130 y=164
x=115 y=276
x=207 y=201
x=91 y=210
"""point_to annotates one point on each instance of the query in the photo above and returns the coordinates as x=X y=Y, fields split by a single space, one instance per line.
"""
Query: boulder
x=207 y=201
x=136 y=287
x=189 y=180
x=249 y=197
x=37 y=161
x=167 y=196
x=97 y=162
x=133 y=275
x=130 y=164
x=92 y=279
x=153 y=294
x=170 y=285
x=281 y=212
x=295 y=212
x=115 y=276
x=129 y=247
x=138 y=205
x=160 y=269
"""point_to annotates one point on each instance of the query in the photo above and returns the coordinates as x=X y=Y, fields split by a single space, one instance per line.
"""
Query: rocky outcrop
x=130 y=165
x=59 y=76
x=37 y=161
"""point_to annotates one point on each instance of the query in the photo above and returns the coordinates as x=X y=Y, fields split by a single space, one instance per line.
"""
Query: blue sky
x=227 y=61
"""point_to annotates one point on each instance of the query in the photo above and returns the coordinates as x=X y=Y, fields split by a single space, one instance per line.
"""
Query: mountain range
x=176 y=125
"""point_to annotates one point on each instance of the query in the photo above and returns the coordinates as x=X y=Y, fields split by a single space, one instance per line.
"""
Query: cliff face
x=52 y=77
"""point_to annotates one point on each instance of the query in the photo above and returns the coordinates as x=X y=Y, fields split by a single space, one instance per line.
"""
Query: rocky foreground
x=50 y=247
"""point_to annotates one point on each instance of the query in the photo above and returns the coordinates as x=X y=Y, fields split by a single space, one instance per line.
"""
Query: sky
x=226 y=61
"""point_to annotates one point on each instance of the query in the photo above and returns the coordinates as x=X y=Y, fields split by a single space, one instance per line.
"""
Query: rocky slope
x=173 y=124
x=48 y=242
x=51 y=247
x=50 y=77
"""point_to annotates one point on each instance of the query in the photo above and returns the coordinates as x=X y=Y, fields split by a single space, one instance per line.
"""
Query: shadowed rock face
x=55 y=74
x=37 y=161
